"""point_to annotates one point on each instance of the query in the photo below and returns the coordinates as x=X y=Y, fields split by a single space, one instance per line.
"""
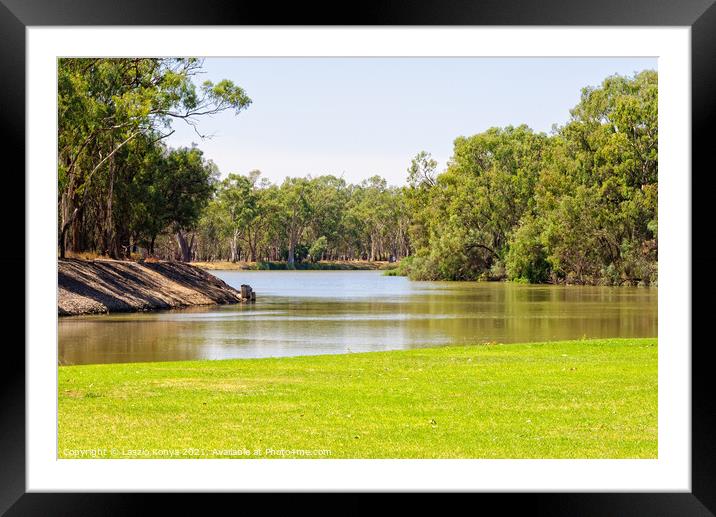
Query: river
x=333 y=312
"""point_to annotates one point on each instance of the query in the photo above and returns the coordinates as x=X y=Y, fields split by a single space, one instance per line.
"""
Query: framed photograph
x=417 y=253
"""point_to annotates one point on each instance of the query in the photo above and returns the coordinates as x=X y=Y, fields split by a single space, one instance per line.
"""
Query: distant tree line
x=576 y=206
x=321 y=218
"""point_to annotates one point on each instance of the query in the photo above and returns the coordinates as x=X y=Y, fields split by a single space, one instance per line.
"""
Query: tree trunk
x=291 y=253
x=252 y=247
x=69 y=214
x=235 y=247
x=185 y=251
x=75 y=243
x=70 y=220
x=61 y=242
x=66 y=226
x=110 y=236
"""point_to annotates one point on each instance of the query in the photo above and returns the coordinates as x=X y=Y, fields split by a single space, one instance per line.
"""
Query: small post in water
x=247 y=294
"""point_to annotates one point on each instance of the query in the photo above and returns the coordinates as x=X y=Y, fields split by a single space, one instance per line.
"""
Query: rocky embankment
x=98 y=286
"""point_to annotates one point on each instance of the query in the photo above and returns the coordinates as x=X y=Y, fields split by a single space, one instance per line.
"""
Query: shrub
x=526 y=258
x=317 y=249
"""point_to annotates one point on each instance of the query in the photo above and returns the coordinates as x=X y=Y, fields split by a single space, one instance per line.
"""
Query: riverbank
x=569 y=399
x=100 y=286
x=323 y=265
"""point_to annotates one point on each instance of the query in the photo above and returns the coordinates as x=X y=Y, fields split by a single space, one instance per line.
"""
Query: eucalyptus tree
x=244 y=204
x=602 y=185
x=328 y=198
x=187 y=183
x=467 y=213
x=578 y=206
x=104 y=106
x=294 y=211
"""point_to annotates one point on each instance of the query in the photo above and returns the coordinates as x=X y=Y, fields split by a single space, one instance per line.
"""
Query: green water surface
x=325 y=312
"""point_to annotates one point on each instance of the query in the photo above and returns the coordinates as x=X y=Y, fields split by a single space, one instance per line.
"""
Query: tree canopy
x=112 y=116
x=578 y=205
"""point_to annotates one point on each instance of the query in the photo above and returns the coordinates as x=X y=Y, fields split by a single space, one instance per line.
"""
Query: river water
x=328 y=312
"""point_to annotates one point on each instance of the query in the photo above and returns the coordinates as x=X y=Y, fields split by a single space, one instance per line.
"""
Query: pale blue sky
x=362 y=116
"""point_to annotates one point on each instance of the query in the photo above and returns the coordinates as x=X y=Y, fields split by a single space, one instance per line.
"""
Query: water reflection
x=302 y=313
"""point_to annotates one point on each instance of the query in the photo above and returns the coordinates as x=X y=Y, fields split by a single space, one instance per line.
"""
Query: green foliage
x=469 y=212
x=312 y=218
x=242 y=212
x=300 y=252
x=402 y=268
x=422 y=171
x=318 y=248
x=526 y=258
x=579 y=206
x=112 y=116
x=188 y=183
x=169 y=190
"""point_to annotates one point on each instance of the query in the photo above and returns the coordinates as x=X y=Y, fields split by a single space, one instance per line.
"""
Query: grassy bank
x=576 y=399
x=323 y=265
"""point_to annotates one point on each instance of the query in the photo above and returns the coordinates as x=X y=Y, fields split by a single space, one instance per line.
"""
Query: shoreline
x=336 y=355
x=323 y=265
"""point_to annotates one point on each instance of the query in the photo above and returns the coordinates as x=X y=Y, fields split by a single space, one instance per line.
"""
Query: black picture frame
x=700 y=15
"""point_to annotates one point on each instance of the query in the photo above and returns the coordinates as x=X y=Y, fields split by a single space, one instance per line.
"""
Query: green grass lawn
x=572 y=399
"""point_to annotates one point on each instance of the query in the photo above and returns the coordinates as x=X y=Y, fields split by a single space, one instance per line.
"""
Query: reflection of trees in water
x=414 y=315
